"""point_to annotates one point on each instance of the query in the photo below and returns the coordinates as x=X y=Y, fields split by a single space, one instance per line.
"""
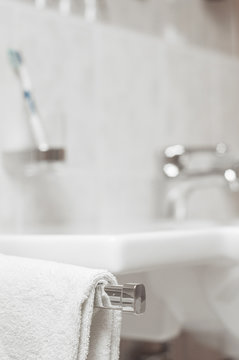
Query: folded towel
x=47 y=312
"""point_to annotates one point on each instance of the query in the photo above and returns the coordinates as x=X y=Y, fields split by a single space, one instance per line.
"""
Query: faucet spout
x=186 y=174
x=178 y=194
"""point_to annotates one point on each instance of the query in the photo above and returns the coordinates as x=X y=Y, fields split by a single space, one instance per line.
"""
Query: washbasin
x=132 y=251
x=186 y=268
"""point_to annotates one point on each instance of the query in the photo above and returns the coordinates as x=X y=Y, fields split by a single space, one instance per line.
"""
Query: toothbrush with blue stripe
x=16 y=60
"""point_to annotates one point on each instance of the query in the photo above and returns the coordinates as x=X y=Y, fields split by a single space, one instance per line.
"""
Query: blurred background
x=115 y=86
x=116 y=82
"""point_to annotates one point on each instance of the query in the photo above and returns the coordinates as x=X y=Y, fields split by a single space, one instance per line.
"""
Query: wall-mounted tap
x=42 y=152
x=192 y=168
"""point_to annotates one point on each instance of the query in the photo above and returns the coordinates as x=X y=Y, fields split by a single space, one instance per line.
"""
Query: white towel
x=47 y=312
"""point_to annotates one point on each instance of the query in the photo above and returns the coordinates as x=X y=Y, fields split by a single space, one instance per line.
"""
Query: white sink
x=130 y=252
x=190 y=272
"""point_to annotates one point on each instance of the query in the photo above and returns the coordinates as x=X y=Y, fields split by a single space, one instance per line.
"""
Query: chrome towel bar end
x=130 y=298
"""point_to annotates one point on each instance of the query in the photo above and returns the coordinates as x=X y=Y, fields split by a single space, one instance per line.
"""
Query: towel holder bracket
x=130 y=298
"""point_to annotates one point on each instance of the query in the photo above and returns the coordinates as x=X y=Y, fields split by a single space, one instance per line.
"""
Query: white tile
x=126 y=90
x=203 y=23
x=61 y=200
x=10 y=194
x=133 y=14
x=126 y=201
x=184 y=99
x=224 y=103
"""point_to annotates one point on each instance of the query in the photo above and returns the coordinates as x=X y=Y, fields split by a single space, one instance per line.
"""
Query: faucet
x=192 y=168
x=30 y=160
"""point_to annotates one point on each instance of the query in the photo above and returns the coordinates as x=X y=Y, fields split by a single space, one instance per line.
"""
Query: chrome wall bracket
x=29 y=162
x=129 y=298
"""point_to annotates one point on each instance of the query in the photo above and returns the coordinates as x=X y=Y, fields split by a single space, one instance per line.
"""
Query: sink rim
x=130 y=252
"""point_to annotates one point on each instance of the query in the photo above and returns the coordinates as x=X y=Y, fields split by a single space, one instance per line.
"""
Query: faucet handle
x=177 y=159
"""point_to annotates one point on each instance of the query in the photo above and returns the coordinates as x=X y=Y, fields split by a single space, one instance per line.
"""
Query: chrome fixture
x=30 y=162
x=42 y=152
x=129 y=298
x=191 y=168
x=177 y=158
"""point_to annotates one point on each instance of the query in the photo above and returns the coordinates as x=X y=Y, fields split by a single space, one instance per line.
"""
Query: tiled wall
x=115 y=97
x=211 y=24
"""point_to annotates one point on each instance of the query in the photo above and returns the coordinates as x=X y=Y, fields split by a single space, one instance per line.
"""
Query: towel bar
x=129 y=298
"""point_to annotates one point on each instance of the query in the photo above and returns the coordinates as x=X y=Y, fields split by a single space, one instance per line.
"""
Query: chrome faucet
x=192 y=168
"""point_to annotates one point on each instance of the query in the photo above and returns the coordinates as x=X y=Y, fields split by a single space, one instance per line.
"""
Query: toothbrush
x=20 y=69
